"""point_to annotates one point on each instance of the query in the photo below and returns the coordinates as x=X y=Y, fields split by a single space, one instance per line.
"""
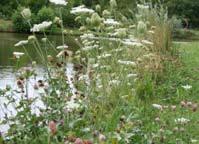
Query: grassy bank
x=187 y=35
x=128 y=83
x=6 y=26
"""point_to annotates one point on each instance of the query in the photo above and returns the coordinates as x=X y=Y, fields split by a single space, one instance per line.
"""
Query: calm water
x=8 y=63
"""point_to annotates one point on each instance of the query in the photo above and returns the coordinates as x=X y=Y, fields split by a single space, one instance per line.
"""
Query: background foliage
x=186 y=10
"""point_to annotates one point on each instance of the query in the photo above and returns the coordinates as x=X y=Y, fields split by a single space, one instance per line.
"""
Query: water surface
x=8 y=67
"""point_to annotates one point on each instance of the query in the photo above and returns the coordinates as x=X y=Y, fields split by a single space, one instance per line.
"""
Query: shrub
x=45 y=14
x=19 y=23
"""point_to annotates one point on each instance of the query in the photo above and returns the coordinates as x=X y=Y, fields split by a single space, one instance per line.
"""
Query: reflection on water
x=7 y=64
x=7 y=41
x=8 y=78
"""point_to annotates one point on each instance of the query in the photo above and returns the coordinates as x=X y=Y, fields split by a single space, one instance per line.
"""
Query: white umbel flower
x=147 y=42
x=81 y=10
x=157 y=106
x=129 y=42
x=72 y=105
x=62 y=47
x=18 y=54
x=21 y=43
x=59 y=2
x=111 y=22
x=127 y=62
x=182 y=120
x=142 y=6
x=187 y=87
x=41 y=26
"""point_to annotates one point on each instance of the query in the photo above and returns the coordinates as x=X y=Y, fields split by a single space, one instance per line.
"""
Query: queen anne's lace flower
x=62 y=47
x=81 y=10
x=111 y=22
x=187 y=87
x=127 y=62
x=21 y=43
x=59 y=2
x=41 y=26
x=72 y=105
x=182 y=120
x=18 y=54
x=157 y=106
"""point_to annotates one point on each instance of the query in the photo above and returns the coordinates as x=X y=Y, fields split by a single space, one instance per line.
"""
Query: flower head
x=59 y=2
x=187 y=87
x=182 y=120
x=111 y=22
x=18 y=54
x=21 y=43
x=157 y=106
x=26 y=13
x=81 y=10
x=41 y=26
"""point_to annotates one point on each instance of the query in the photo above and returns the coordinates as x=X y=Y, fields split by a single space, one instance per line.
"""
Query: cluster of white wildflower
x=87 y=48
x=41 y=26
x=62 y=47
x=121 y=32
x=131 y=75
x=81 y=10
x=72 y=105
x=187 y=87
x=111 y=22
x=59 y=2
x=70 y=73
x=21 y=43
x=105 y=55
x=147 y=42
x=142 y=6
x=130 y=63
x=133 y=43
x=114 y=82
x=157 y=106
x=18 y=54
x=87 y=36
x=182 y=120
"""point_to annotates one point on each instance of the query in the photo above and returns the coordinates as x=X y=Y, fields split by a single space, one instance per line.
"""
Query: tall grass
x=106 y=91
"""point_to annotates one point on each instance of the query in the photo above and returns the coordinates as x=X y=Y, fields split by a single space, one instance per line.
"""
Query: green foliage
x=45 y=14
x=19 y=23
x=185 y=9
x=7 y=8
x=35 y=5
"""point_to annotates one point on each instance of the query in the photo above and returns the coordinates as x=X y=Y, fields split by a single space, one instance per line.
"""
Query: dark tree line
x=187 y=10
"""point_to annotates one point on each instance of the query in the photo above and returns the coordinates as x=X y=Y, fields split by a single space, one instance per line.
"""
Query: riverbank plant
x=116 y=89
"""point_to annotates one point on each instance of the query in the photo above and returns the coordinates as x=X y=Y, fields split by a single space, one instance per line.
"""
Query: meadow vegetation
x=128 y=83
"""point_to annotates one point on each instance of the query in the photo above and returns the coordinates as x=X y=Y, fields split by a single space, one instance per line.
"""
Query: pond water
x=8 y=63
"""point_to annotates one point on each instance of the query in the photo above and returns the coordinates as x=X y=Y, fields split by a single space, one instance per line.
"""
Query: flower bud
x=26 y=13
x=53 y=127
x=106 y=13
x=79 y=141
x=31 y=38
x=113 y=4
x=98 y=8
x=95 y=19
x=102 y=138
x=141 y=27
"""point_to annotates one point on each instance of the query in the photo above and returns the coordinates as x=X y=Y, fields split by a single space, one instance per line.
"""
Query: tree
x=185 y=9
